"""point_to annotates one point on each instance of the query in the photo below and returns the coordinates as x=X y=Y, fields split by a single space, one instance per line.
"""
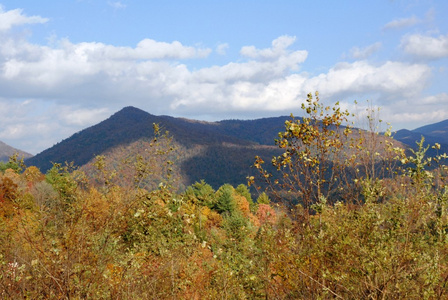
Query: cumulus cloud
x=15 y=17
x=415 y=111
x=81 y=116
x=401 y=23
x=150 y=49
x=425 y=47
x=20 y=127
x=244 y=85
x=391 y=78
x=439 y=99
x=415 y=119
x=34 y=124
x=278 y=49
x=54 y=71
x=284 y=92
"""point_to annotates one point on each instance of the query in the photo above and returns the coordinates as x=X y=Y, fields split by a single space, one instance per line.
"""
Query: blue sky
x=66 y=65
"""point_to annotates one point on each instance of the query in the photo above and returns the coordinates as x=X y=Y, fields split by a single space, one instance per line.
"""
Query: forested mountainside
x=437 y=130
x=409 y=138
x=124 y=127
x=218 y=152
x=262 y=131
x=433 y=133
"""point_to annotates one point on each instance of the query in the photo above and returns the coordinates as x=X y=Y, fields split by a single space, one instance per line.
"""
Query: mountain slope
x=82 y=146
x=6 y=151
x=437 y=130
x=261 y=131
x=210 y=150
x=432 y=133
x=218 y=152
x=410 y=138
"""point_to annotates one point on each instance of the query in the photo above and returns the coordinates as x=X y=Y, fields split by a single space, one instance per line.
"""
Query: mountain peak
x=131 y=124
x=131 y=112
x=131 y=109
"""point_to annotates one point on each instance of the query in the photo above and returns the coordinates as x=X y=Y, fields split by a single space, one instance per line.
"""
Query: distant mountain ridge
x=432 y=133
x=219 y=152
x=131 y=124
x=227 y=148
x=7 y=151
x=437 y=130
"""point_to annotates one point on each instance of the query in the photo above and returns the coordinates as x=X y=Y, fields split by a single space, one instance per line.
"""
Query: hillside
x=432 y=133
x=6 y=151
x=437 y=130
x=124 y=127
x=261 y=131
x=219 y=152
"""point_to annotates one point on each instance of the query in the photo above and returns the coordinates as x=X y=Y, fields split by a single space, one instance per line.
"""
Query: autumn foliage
x=377 y=233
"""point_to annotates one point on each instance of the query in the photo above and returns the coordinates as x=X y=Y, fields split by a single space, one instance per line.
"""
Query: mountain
x=432 y=133
x=261 y=131
x=7 y=151
x=410 y=137
x=126 y=126
x=437 y=130
x=219 y=152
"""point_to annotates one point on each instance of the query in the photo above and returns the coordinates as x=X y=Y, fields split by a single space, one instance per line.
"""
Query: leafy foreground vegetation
x=357 y=218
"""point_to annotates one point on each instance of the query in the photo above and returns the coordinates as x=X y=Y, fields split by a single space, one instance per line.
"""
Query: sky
x=70 y=64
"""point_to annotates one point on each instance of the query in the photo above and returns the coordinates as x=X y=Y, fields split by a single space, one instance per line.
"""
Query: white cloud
x=33 y=125
x=244 y=85
x=14 y=131
x=146 y=49
x=53 y=71
x=414 y=111
x=80 y=84
x=426 y=47
x=415 y=119
x=401 y=23
x=278 y=49
x=391 y=78
x=363 y=53
x=284 y=92
x=83 y=116
x=20 y=127
x=150 y=49
x=15 y=17
x=439 y=99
